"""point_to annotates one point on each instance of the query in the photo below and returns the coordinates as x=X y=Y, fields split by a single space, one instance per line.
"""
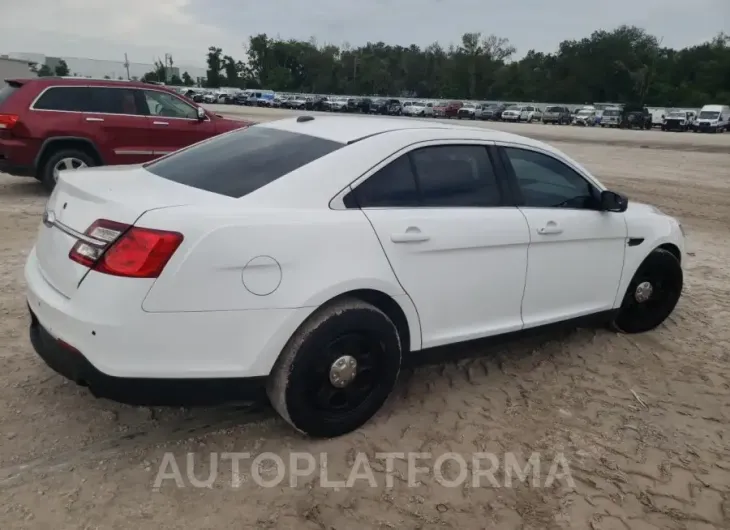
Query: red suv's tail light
x=123 y=250
x=8 y=121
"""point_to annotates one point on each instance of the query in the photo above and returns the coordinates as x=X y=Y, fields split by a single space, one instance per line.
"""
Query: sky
x=147 y=29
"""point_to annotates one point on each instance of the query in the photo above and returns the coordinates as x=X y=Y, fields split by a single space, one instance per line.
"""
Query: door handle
x=411 y=235
x=550 y=228
x=160 y=123
x=94 y=119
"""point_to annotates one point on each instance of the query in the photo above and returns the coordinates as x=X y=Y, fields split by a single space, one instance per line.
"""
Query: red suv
x=51 y=124
x=452 y=109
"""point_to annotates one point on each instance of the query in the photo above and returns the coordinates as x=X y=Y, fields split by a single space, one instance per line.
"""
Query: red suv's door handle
x=160 y=123
x=94 y=119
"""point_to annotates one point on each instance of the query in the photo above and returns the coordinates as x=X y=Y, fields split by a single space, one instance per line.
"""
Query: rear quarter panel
x=320 y=254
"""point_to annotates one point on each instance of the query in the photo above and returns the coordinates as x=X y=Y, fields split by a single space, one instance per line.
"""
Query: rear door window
x=238 y=163
x=64 y=98
x=107 y=100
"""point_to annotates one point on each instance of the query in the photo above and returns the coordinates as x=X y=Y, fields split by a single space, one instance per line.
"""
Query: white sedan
x=311 y=254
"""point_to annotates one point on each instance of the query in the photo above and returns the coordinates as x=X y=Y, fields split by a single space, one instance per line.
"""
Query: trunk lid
x=117 y=193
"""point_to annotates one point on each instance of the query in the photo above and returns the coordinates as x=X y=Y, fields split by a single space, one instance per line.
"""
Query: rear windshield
x=5 y=92
x=237 y=163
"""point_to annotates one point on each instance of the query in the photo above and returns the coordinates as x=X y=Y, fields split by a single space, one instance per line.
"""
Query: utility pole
x=126 y=65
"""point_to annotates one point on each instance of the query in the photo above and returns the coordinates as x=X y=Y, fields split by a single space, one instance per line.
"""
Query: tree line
x=625 y=65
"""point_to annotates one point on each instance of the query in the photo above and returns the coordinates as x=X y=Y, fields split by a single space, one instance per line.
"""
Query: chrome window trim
x=33 y=103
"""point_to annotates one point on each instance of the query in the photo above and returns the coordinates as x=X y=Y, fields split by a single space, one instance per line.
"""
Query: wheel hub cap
x=643 y=292
x=343 y=371
x=67 y=164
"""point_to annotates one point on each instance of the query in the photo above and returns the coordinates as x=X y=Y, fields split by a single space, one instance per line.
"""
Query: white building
x=100 y=68
x=14 y=68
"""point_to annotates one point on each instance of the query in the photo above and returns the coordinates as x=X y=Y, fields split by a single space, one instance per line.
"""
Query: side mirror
x=201 y=114
x=613 y=202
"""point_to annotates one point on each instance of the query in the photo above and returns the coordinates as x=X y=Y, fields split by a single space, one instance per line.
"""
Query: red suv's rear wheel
x=62 y=160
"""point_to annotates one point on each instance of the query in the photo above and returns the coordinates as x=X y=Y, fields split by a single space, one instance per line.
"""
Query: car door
x=117 y=123
x=457 y=250
x=174 y=122
x=576 y=251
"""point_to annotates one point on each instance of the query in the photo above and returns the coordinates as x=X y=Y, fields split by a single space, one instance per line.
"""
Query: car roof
x=350 y=129
x=85 y=81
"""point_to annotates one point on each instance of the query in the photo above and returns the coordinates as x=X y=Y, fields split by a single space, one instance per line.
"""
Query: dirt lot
x=641 y=420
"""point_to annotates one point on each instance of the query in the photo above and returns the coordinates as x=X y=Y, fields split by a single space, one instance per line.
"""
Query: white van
x=713 y=118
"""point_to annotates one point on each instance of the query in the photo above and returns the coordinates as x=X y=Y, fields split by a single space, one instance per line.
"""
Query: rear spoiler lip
x=16 y=83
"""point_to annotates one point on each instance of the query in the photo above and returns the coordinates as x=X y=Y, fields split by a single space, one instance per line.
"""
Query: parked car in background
x=296 y=103
x=556 y=115
x=406 y=109
x=611 y=117
x=512 y=113
x=338 y=104
x=635 y=117
x=585 y=117
x=379 y=106
x=422 y=109
x=439 y=109
x=492 y=112
x=169 y=275
x=48 y=125
x=679 y=120
x=467 y=111
x=452 y=108
x=658 y=115
x=394 y=107
x=319 y=103
x=530 y=113
x=713 y=118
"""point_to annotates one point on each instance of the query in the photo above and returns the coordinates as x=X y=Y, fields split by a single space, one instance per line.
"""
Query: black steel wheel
x=652 y=294
x=337 y=370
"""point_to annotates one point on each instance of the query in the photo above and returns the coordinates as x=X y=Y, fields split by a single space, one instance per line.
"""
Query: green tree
x=215 y=65
x=623 y=65
x=61 y=69
x=44 y=71
x=187 y=80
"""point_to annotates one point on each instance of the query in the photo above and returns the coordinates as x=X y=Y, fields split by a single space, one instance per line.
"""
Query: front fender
x=654 y=229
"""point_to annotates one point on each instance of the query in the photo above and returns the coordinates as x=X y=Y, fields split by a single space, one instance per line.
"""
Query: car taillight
x=122 y=250
x=8 y=121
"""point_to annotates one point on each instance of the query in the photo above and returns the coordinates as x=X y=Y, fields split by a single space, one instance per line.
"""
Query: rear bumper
x=71 y=364
x=104 y=320
x=16 y=170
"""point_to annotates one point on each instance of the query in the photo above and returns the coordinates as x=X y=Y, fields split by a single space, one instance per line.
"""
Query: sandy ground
x=641 y=420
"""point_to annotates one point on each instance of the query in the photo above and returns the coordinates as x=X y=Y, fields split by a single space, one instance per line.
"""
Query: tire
x=46 y=175
x=301 y=378
x=662 y=270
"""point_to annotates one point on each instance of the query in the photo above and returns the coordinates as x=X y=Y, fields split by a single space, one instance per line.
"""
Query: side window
x=456 y=175
x=168 y=106
x=392 y=186
x=109 y=100
x=68 y=98
x=546 y=182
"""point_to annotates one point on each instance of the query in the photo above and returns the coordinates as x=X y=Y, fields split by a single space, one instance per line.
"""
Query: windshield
x=237 y=163
x=676 y=115
x=469 y=106
x=709 y=115
x=553 y=109
x=514 y=107
x=611 y=112
x=6 y=91
x=585 y=112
